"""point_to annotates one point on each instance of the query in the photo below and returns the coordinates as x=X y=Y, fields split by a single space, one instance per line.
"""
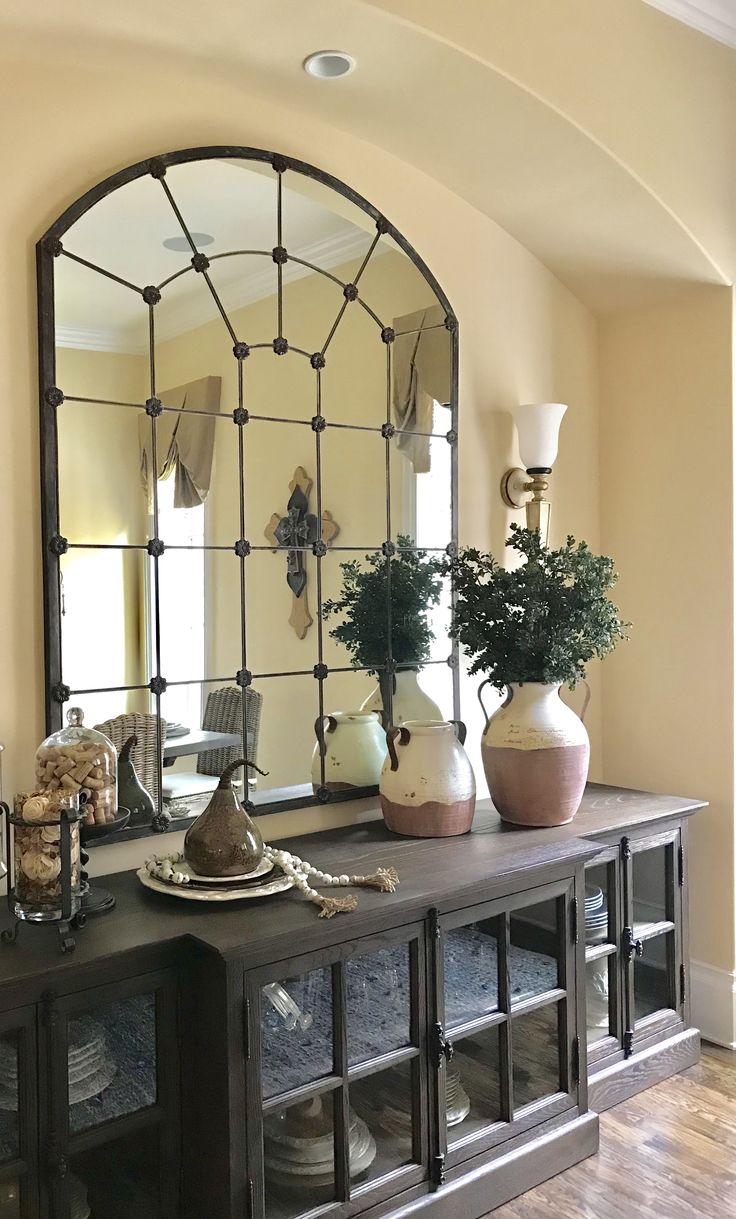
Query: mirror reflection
x=255 y=480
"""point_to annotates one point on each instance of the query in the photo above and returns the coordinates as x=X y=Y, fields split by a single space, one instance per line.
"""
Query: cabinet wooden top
x=446 y=873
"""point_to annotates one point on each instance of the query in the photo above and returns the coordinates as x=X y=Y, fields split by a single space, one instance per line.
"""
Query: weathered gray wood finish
x=216 y=960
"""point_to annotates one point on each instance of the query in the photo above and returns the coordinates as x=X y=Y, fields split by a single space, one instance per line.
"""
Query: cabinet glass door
x=602 y=924
x=18 y=1109
x=652 y=935
x=340 y=1077
x=115 y=1108
x=506 y=1018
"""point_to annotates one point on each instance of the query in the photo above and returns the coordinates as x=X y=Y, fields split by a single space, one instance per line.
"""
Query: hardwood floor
x=669 y=1153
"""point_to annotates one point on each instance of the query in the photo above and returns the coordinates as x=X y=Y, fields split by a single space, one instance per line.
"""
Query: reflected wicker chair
x=223 y=713
x=144 y=756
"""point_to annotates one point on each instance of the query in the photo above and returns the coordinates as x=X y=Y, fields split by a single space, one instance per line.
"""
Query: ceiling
x=574 y=130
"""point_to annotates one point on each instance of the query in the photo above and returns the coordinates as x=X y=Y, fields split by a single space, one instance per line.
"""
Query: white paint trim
x=715 y=18
x=96 y=340
x=713 y=1003
x=260 y=284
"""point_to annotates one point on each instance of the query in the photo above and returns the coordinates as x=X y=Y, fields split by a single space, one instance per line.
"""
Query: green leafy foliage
x=416 y=583
x=542 y=621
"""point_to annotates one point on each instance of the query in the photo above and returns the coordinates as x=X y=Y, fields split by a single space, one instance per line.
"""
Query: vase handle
x=319 y=731
x=486 y=682
x=460 y=730
x=404 y=736
x=586 y=700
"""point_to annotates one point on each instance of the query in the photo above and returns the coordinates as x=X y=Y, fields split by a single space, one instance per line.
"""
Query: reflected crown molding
x=195 y=310
x=715 y=18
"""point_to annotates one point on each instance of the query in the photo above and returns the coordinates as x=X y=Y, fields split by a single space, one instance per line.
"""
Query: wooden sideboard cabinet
x=436 y=1052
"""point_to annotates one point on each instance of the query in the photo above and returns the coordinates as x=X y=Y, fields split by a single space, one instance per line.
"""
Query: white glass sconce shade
x=538 y=429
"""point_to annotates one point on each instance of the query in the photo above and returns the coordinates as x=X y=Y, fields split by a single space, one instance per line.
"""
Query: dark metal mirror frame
x=50 y=247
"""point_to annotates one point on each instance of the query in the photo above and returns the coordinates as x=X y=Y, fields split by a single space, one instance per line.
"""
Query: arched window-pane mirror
x=249 y=463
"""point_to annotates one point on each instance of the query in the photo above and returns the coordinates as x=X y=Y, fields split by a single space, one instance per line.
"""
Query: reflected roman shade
x=421 y=377
x=185 y=443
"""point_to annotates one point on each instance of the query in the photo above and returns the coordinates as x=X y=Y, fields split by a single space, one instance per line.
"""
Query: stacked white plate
x=596 y=914
x=91 y=1069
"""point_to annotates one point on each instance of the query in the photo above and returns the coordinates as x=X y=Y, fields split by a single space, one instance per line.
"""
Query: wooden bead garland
x=384 y=879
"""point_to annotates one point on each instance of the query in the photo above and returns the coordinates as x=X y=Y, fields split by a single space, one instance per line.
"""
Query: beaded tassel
x=383 y=879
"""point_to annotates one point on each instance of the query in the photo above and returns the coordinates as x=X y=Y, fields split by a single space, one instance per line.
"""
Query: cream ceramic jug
x=354 y=746
x=427 y=784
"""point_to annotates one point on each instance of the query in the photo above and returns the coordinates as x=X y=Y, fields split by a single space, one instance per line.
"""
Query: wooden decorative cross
x=299 y=527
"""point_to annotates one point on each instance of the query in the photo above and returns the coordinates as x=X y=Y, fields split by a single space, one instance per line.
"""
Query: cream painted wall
x=666 y=503
x=523 y=336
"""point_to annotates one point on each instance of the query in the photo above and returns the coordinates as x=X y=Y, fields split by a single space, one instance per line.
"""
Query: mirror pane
x=286 y=739
x=355 y=602
x=354 y=738
x=199 y=610
x=354 y=380
x=354 y=485
x=421 y=489
x=204 y=734
x=110 y=649
x=98 y=316
x=281 y=627
x=101 y=495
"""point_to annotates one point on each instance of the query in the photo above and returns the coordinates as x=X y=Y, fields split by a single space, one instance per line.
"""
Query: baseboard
x=628 y=1076
x=713 y=1003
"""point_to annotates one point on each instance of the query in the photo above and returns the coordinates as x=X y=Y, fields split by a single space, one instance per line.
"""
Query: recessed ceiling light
x=328 y=65
x=182 y=246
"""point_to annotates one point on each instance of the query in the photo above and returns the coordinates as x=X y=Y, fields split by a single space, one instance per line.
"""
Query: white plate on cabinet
x=264 y=868
x=218 y=893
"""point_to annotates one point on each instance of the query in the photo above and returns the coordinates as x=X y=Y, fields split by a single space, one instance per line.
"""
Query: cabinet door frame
x=24 y=1166
x=666 y=1020
x=163 y=1117
x=568 y=892
x=608 y=1048
x=366 y=1195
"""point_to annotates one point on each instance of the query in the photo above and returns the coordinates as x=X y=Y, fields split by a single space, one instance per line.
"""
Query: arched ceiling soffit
x=437 y=104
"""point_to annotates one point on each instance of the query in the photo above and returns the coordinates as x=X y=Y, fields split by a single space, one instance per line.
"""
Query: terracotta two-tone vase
x=427 y=785
x=536 y=754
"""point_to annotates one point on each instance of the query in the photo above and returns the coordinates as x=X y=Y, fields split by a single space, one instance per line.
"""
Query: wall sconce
x=538 y=427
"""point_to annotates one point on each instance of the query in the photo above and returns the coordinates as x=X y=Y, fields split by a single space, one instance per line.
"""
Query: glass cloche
x=81 y=761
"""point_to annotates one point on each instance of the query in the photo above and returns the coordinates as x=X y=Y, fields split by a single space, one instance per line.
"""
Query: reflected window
x=181 y=602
